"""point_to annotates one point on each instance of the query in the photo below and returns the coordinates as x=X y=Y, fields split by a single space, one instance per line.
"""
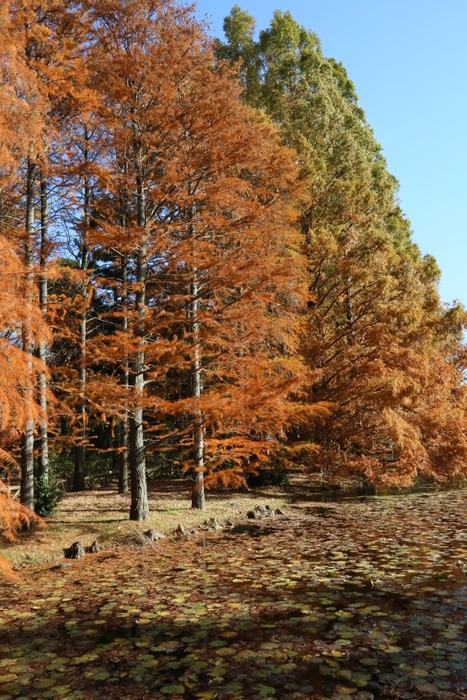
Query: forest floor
x=102 y=514
x=355 y=600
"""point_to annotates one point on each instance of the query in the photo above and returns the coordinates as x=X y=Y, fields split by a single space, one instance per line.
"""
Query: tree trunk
x=80 y=448
x=198 y=499
x=79 y=483
x=123 y=457
x=43 y=297
x=27 y=466
x=124 y=426
x=139 y=509
x=197 y=496
x=27 y=442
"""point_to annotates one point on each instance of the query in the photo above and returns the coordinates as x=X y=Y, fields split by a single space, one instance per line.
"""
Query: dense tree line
x=389 y=354
x=205 y=261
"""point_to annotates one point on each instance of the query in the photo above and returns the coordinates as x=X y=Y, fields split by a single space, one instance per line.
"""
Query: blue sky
x=408 y=60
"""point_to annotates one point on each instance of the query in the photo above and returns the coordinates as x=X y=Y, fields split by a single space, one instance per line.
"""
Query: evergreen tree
x=375 y=322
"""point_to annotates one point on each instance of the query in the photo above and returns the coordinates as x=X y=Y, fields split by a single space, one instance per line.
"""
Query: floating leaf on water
x=85 y=659
x=58 y=691
x=345 y=690
x=43 y=683
x=178 y=689
x=97 y=674
x=419 y=672
x=8 y=678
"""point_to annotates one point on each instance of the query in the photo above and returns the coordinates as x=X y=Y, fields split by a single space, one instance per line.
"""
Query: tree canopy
x=389 y=354
x=205 y=264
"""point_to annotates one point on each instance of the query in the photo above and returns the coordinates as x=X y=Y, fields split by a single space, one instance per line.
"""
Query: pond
x=352 y=599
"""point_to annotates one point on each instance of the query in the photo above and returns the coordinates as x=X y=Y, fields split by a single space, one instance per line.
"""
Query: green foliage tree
x=375 y=322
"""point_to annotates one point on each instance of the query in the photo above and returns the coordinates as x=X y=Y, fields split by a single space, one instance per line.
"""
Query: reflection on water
x=336 y=494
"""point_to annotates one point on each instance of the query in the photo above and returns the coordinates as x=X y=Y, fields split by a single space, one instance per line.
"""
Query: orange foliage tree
x=223 y=298
x=18 y=374
x=14 y=516
x=193 y=232
x=24 y=33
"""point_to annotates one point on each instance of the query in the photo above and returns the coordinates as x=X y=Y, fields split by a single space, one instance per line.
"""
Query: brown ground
x=331 y=601
x=102 y=514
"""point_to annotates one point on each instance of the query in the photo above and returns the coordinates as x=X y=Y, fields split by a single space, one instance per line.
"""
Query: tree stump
x=76 y=551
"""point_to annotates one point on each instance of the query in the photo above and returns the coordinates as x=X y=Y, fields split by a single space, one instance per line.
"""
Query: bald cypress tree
x=377 y=332
x=195 y=193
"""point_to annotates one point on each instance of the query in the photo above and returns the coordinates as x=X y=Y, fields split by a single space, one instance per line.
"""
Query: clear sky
x=408 y=60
